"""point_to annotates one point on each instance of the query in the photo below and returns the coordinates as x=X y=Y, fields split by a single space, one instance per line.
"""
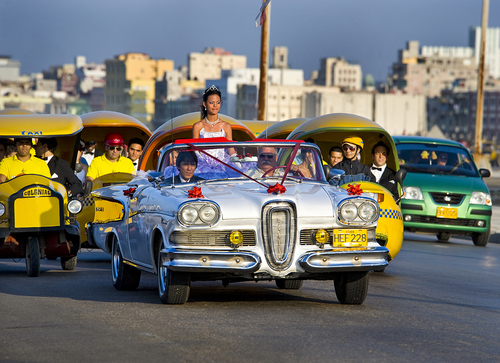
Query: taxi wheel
x=443 y=236
x=480 y=239
x=173 y=287
x=125 y=277
x=289 y=284
x=32 y=257
x=68 y=263
x=351 y=287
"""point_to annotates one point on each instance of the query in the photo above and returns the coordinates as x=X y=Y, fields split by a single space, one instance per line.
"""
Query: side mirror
x=335 y=176
x=154 y=176
x=485 y=173
x=400 y=176
x=87 y=188
x=326 y=169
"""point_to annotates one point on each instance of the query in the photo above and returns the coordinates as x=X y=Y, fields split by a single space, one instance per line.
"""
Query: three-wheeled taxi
x=330 y=130
x=37 y=219
x=282 y=129
x=257 y=126
x=96 y=125
x=181 y=127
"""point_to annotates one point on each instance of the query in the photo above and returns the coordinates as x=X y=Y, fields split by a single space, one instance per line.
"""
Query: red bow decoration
x=276 y=189
x=129 y=192
x=354 y=189
x=195 y=193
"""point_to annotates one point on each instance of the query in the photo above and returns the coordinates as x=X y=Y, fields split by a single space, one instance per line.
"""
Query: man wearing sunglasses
x=111 y=161
x=354 y=169
x=266 y=161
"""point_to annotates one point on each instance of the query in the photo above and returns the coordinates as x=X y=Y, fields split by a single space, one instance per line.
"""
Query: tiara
x=212 y=88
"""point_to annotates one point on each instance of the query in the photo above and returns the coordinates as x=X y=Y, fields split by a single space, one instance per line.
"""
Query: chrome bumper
x=209 y=261
x=337 y=261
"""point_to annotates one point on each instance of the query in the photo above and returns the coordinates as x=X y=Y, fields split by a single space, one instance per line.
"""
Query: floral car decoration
x=271 y=215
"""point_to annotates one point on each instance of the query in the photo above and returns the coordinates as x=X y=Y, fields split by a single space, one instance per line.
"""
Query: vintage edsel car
x=265 y=213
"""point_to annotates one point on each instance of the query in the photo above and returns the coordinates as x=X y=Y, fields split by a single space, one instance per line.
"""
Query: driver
x=23 y=162
x=266 y=161
x=186 y=162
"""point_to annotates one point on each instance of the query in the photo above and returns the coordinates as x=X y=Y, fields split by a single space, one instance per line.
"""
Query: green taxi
x=444 y=191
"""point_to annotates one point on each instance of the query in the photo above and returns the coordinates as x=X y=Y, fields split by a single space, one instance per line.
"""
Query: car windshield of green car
x=436 y=159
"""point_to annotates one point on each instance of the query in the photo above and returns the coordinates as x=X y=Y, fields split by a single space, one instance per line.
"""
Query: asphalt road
x=437 y=302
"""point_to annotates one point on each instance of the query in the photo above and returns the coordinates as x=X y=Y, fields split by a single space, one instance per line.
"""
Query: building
x=492 y=49
x=340 y=73
x=9 y=69
x=130 y=84
x=280 y=58
x=211 y=63
x=90 y=75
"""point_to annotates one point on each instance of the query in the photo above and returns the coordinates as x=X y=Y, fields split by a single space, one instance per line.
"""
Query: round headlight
x=348 y=211
x=75 y=206
x=208 y=213
x=2 y=209
x=367 y=212
x=322 y=236
x=188 y=215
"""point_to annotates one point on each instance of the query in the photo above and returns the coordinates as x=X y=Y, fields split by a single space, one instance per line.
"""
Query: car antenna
x=172 y=135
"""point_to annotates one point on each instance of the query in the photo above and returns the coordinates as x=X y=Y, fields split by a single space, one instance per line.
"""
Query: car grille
x=279 y=230
x=210 y=238
x=446 y=221
x=447 y=198
x=308 y=236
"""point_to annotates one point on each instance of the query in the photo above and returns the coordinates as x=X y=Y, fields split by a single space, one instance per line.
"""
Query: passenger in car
x=308 y=166
x=60 y=169
x=135 y=147
x=442 y=159
x=267 y=158
x=335 y=156
x=384 y=175
x=3 y=148
x=23 y=162
x=111 y=161
x=353 y=168
x=186 y=163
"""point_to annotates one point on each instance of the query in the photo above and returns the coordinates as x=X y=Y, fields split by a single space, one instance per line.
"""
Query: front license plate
x=443 y=212
x=350 y=238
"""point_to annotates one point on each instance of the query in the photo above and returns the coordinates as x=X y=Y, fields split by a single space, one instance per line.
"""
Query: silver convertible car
x=238 y=211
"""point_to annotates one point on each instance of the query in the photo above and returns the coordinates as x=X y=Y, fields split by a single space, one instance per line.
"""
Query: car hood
x=445 y=183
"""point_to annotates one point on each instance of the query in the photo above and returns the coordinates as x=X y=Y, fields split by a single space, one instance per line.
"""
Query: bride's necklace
x=212 y=123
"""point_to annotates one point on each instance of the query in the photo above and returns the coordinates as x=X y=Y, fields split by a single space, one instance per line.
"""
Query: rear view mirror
x=400 y=176
x=485 y=173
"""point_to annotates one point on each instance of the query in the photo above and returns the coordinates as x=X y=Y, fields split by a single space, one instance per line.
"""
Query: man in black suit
x=186 y=162
x=384 y=175
x=60 y=170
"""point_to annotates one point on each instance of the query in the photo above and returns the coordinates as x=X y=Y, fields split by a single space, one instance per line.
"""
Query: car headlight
x=413 y=193
x=367 y=211
x=480 y=198
x=349 y=212
x=198 y=213
x=2 y=209
x=75 y=206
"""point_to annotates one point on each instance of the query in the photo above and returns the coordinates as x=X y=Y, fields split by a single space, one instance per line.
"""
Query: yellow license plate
x=350 y=238
x=444 y=212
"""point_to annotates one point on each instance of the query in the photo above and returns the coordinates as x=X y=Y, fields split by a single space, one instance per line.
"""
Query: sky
x=44 y=33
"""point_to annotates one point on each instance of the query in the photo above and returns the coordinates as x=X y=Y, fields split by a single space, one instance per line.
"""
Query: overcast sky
x=42 y=33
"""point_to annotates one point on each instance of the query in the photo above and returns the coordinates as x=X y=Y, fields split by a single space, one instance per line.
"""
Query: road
x=437 y=302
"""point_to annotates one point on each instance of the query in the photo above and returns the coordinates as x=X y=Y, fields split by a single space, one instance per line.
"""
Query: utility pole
x=264 y=60
x=480 y=81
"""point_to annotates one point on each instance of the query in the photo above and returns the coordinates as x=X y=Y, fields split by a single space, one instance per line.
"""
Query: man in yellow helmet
x=352 y=146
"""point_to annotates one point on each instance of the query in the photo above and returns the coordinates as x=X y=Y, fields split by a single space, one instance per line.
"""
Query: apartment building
x=340 y=73
x=211 y=63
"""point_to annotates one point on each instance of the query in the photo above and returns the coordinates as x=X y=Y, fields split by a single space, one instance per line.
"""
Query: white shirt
x=378 y=173
x=136 y=164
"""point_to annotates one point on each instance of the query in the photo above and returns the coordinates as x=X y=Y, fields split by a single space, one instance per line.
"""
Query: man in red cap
x=111 y=161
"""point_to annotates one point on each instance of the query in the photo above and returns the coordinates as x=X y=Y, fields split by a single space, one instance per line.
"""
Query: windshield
x=192 y=164
x=436 y=159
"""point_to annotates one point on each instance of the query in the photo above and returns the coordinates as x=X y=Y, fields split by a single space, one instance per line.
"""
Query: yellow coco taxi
x=282 y=129
x=330 y=130
x=181 y=127
x=257 y=126
x=37 y=219
x=96 y=125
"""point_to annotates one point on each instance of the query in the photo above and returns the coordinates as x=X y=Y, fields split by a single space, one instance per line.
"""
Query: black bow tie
x=375 y=168
x=39 y=157
x=88 y=152
x=135 y=164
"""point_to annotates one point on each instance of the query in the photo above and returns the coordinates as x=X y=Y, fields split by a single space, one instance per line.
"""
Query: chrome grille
x=210 y=238
x=447 y=198
x=308 y=236
x=279 y=231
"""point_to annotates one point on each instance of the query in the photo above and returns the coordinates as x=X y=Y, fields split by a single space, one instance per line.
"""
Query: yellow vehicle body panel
x=39 y=125
x=257 y=126
x=47 y=212
x=107 y=211
x=282 y=129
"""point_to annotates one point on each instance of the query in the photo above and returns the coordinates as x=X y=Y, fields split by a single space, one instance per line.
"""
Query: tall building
x=130 y=84
x=210 y=63
x=340 y=73
x=280 y=58
x=9 y=69
x=492 y=49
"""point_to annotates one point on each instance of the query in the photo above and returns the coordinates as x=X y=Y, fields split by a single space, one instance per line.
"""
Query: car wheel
x=289 y=284
x=351 y=287
x=32 y=257
x=443 y=236
x=480 y=239
x=68 y=263
x=125 y=277
x=173 y=287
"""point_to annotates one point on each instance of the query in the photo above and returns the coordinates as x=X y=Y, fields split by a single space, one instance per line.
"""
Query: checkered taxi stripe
x=88 y=201
x=390 y=213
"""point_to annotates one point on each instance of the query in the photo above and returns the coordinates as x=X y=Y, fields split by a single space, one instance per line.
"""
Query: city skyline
x=43 y=34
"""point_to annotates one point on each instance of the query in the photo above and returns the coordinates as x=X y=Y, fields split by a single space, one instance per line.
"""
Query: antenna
x=172 y=135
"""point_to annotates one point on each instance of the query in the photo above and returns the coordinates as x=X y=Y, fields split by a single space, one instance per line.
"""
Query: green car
x=444 y=192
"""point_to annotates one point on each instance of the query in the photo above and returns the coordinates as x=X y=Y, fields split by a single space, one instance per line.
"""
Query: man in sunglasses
x=354 y=169
x=266 y=161
x=111 y=161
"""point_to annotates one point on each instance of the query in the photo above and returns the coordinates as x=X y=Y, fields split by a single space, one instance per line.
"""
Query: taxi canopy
x=181 y=127
x=257 y=126
x=282 y=129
